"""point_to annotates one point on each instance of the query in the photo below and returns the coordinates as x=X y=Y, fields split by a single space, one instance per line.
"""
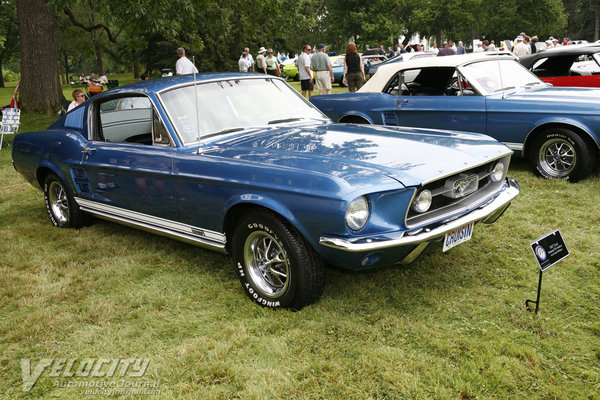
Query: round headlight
x=357 y=213
x=422 y=201
x=497 y=172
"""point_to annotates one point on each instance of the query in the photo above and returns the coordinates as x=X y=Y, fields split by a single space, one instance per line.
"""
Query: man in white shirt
x=244 y=64
x=521 y=49
x=303 y=64
x=183 y=65
x=249 y=58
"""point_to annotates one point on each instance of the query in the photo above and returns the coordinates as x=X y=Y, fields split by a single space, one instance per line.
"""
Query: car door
x=433 y=98
x=129 y=160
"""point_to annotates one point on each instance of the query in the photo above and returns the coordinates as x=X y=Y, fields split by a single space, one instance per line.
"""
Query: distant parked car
x=400 y=58
x=243 y=164
x=289 y=68
x=556 y=129
x=337 y=66
x=370 y=60
x=570 y=65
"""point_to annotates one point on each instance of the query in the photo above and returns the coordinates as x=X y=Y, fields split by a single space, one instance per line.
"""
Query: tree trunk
x=38 y=40
x=597 y=26
x=98 y=48
x=136 y=69
x=1 y=77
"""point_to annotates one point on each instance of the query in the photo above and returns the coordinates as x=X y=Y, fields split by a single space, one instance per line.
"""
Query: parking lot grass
x=449 y=326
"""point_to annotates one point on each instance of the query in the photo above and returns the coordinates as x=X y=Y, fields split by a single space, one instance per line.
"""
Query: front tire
x=62 y=209
x=275 y=265
x=560 y=153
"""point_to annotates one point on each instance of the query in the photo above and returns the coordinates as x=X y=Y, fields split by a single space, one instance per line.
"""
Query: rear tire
x=560 y=153
x=275 y=265
x=61 y=206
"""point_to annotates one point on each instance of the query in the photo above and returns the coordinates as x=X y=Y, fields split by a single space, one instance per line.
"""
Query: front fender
x=299 y=211
x=565 y=122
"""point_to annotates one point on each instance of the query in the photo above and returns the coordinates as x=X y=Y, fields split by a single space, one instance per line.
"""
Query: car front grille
x=458 y=193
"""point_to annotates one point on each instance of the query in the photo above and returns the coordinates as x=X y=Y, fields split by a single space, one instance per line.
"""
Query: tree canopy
x=142 y=35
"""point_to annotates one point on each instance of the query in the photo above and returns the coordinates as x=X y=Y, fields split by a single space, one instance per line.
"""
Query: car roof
x=156 y=85
x=385 y=72
x=573 y=50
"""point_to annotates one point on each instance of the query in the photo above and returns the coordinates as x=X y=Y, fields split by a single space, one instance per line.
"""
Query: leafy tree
x=9 y=33
x=582 y=17
x=505 y=19
x=366 y=22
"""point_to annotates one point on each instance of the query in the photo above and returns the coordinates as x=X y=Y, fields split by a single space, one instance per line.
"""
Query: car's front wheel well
x=353 y=119
x=236 y=213
x=560 y=151
x=543 y=128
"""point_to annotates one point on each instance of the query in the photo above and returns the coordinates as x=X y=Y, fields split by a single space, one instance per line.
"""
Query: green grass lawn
x=448 y=326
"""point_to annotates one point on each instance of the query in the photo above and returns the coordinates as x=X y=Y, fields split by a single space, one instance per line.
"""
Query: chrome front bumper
x=486 y=213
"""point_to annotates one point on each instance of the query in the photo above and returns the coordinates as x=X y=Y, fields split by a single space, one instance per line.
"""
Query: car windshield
x=492 y=76
x=233 y=105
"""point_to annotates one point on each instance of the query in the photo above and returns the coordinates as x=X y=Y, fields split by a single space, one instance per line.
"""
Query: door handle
x=400 y=102
x=88 y=150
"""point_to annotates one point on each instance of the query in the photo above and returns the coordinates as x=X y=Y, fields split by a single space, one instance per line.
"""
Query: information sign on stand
x=548 y=250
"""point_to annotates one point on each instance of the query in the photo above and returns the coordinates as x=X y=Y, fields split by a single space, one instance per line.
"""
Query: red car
x=571 y=65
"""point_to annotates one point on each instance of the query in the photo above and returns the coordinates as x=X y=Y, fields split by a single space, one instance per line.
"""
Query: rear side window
x=130 y=120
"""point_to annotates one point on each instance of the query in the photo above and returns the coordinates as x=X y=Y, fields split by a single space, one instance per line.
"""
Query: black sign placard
x=549 y=249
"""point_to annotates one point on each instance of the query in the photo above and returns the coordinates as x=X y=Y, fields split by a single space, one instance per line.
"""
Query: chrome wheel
x=557 y=157
x=59 y=202
x=267 y=264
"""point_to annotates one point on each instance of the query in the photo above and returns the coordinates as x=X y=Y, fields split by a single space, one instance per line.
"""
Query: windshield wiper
x=279 y=121
x=223 y=132
x=504 y=88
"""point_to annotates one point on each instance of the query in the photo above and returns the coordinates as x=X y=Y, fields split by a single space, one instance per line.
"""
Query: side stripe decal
x=157 y=224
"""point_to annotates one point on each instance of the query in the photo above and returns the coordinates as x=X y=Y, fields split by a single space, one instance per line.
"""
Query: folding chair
x=11 y=119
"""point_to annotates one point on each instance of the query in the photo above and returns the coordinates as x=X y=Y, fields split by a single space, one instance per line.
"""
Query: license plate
x=458 y=236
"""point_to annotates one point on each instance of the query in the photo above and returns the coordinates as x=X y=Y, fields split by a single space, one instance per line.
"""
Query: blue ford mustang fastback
x=242 y=164
x=556 y=129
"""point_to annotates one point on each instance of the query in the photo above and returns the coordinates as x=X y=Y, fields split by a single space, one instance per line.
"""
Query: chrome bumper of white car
x=486 y=213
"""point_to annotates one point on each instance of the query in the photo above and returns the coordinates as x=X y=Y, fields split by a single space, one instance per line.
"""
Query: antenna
x=196 y=105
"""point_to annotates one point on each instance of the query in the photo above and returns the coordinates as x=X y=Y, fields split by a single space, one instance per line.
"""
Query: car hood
x=362 y=155
x=562 y=97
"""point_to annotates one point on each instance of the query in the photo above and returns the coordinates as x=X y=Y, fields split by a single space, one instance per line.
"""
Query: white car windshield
x=234 y=105
x=492 y=76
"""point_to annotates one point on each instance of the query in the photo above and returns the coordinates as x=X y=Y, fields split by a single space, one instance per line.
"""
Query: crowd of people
x=315 y=70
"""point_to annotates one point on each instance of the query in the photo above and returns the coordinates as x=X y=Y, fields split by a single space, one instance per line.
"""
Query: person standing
x=520 y=48
x=306 y=80
x=460 y=49
x=534 y=40
x=183 y=65
x=321 y=64
x=243 y=63
x=354 y=71
x=261 y=64
x=272 y=63
x=445 y=50
x=249 y=58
